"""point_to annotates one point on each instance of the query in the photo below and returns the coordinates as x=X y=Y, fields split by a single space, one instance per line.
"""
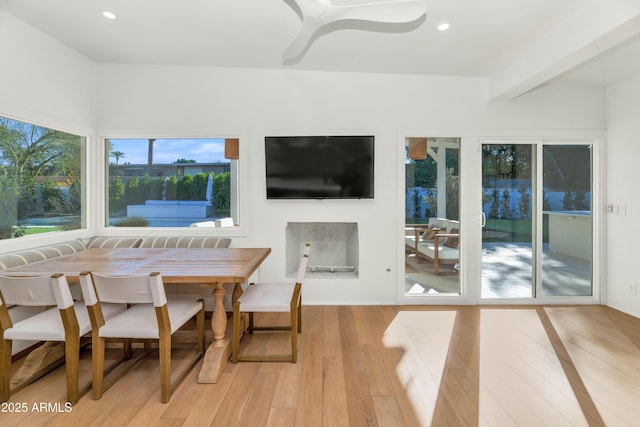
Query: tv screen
x=319 y=167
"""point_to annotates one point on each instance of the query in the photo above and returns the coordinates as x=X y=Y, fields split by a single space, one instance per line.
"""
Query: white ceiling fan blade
x=311 y=8
x=398 y=11
x=318 y=13
x=297 y=46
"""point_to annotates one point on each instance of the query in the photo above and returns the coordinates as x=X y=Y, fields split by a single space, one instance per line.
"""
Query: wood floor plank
x=309 y=406
x=207 y=406
x=361 y=411
x=602 y=359
x=387 y=411
x=389 y=366
x=260 y=395
x=412 y=410
x=362 y=321
x=335 y=407
x=334 y=394
x=235 y=399
x=377 y=377
x=331 y=340
x=282 y=417
x=182 y=400
x=287 y=388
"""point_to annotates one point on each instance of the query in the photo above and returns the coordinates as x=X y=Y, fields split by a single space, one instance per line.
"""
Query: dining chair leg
x=72 y=361
x=200 y=325
x=128 y=352
x=165 y=367
x=294 y=336
x=97 y=365
x=235 y=333
x=5 y=367
x=250 y=322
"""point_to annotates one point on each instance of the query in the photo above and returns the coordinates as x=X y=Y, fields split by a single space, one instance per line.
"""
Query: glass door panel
x=567 y=217
x=432 y=219
x=508 y=232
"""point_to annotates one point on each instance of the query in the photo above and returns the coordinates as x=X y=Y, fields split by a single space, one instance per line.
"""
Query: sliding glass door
x=537 y=237
x=567 y=218
x=432 y=217
x=508 y=244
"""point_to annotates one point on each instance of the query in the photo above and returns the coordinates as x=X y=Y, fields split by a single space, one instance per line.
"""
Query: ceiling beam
x=570 y=43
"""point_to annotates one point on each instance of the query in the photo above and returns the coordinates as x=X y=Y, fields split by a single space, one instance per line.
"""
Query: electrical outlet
x=632 y=289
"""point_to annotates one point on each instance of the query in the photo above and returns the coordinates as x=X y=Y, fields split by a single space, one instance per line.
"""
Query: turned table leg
x=217 y=355
x=219 y=317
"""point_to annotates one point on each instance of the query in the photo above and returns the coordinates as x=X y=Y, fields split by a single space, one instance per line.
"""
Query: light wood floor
x=392 y=366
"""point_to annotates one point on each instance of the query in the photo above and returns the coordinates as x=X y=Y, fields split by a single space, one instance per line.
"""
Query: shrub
x=133 y=221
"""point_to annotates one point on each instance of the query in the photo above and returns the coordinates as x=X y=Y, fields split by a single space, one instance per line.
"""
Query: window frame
x=86 y=134
x=238 y=199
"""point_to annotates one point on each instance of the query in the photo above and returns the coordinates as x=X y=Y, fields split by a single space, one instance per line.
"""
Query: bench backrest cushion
x=185 y=242
x=114 y=242
x=17 y=259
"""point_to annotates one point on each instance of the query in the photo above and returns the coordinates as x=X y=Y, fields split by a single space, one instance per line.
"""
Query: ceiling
x=486 y=37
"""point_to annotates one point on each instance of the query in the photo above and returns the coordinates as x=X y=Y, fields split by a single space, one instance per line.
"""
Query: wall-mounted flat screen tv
x=319 y=167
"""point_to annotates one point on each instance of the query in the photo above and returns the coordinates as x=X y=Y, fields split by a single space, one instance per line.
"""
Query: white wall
x=44 y=82
x=187 y=101
x=623 y=228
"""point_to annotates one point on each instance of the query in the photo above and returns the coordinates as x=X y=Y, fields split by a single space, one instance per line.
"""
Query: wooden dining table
x=211 y=267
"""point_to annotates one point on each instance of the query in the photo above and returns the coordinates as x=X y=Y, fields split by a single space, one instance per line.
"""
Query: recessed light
x=109 y=15
x=443 y=27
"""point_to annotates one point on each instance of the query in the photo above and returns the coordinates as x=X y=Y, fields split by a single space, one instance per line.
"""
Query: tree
x=30 y=152
x=505 y=208
x=150 y=156
x=453 y=194
x=133 y=193
x=118 y=155
x=524 y=202
x=222 y=194
x=171 y=188
x=8 y=205
x=33 y=150
x=416 y=204
x=116 y=196
x=425 y=172
x=185 y=188
x=569 y=200
x=567 y=168
x=51 y=196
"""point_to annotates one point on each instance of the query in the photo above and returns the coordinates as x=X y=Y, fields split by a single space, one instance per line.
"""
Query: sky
x=202 y=150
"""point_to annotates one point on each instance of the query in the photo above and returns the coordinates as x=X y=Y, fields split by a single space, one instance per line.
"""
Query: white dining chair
x=67 y=321
x=150 y=316
x=270 y=298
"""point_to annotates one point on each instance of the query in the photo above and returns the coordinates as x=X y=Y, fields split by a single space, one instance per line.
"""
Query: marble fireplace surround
x=334 y=248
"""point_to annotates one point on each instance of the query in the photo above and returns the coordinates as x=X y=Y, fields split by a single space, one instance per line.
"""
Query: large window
x=41 y=176
x=171 y=182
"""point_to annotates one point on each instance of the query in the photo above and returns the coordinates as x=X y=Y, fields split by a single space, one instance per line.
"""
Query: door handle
x=483 y=219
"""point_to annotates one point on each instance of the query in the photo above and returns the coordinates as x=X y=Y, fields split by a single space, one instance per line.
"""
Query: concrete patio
x=506 y=273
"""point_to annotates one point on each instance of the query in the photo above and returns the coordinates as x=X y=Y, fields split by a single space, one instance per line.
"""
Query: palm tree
x=150 y=156
x=117 y=155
